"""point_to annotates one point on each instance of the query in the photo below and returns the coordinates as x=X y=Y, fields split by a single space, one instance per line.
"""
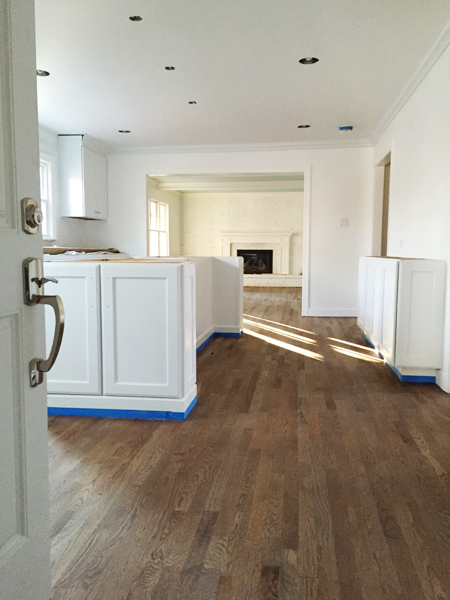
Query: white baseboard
x=174 y=405
x=331 y=312
x=216 y=331
x=273 y=280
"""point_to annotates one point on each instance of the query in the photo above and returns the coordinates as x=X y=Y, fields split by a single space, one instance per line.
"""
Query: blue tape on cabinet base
x=368 y=340
x=413 y=378
x=123 y=413
x=218 y=334
x=407 y=378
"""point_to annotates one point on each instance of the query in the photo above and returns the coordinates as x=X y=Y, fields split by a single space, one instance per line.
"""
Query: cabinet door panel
x=388 y=305
x=370 y=329
x=77 y=369
x=421 y=309
x=140 y=324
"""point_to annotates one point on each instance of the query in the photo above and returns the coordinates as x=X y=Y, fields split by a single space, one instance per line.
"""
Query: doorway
x=385 y=210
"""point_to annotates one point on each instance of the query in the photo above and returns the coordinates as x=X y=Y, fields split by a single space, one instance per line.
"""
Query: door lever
x=34 y=281
x=40 y=282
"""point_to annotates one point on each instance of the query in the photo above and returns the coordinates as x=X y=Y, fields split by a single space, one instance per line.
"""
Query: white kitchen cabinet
x=83 y=179
x=401 y=311
x=77 y=369
x=147 y=324
x=139 y=346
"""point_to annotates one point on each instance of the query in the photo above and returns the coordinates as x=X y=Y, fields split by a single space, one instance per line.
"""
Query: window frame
x=158 y=228
x=49 y=164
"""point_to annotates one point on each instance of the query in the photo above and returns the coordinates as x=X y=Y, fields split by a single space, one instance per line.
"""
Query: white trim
x=273 y=280
x=318 y=145
x=122 y=402
x=227 y=329
x=307 y=173
x=201 y=339
x=434 y=52
x=331 y=312
x=52 y=201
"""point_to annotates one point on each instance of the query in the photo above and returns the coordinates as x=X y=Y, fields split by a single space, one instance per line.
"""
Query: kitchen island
x=129 y=347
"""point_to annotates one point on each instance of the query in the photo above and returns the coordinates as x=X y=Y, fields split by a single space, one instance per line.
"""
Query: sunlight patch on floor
x=281 y=324
x=285 y=345
x=355 y=354
x=278 y=331
x=367 y=348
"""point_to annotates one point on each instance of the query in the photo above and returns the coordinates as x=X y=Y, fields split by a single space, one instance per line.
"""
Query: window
x=158 y=217
x=45 y=170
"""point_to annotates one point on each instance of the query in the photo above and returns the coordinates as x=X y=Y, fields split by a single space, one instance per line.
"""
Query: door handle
x=39 y=366
x=34 y=281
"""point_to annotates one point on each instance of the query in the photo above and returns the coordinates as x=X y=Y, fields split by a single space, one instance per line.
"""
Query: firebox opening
x=257 y=262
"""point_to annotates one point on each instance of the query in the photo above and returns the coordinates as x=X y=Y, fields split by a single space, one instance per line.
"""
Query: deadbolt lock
x=31 y=215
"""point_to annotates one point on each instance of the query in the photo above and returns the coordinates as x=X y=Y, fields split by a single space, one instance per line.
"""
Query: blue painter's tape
x=408 y=378
x=226 y=334
x=368 y=340
x=204 y=343
x=123 y=413
x=219 y=334
x=414 y=378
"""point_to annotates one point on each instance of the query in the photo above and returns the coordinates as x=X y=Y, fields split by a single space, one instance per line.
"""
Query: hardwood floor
x=306 y=471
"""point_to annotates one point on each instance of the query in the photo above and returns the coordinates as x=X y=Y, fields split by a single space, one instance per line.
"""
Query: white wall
x=419 y=213
x=206 y=215
x=338 y=184
x=173 y=199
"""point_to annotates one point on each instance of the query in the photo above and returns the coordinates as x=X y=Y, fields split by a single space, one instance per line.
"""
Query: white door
x=24 y=532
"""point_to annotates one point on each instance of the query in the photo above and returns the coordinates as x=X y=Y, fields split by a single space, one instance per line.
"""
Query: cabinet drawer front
x=77 y=369
x=141 y=326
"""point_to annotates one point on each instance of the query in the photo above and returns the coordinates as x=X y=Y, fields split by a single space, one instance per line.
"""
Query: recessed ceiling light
x=309 y=60
x=41 y=73
x=124 y=131
x=170 y=68
x=136 y=18
x=303 y=126
x=192 y=102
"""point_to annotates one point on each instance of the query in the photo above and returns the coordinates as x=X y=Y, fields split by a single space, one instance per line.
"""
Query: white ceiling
x=238 y=59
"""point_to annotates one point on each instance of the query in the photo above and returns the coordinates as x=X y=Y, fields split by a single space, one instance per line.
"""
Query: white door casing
x=24 y=531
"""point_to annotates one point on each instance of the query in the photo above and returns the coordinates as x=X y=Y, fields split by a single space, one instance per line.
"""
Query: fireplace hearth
x=256 y=262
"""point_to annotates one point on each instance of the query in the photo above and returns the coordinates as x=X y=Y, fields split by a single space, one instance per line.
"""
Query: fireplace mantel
x=278 y=241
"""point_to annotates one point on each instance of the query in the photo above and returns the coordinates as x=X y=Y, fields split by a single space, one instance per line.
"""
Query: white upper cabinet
x=83 y=183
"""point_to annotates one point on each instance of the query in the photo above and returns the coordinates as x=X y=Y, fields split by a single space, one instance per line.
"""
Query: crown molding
x=434 y=52
x=282 y=146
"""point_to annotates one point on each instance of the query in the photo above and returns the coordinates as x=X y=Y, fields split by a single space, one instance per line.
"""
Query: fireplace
x=276 y=241
x=256 y=262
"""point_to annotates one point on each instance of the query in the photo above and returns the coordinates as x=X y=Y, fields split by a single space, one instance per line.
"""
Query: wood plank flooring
x=306 y=471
